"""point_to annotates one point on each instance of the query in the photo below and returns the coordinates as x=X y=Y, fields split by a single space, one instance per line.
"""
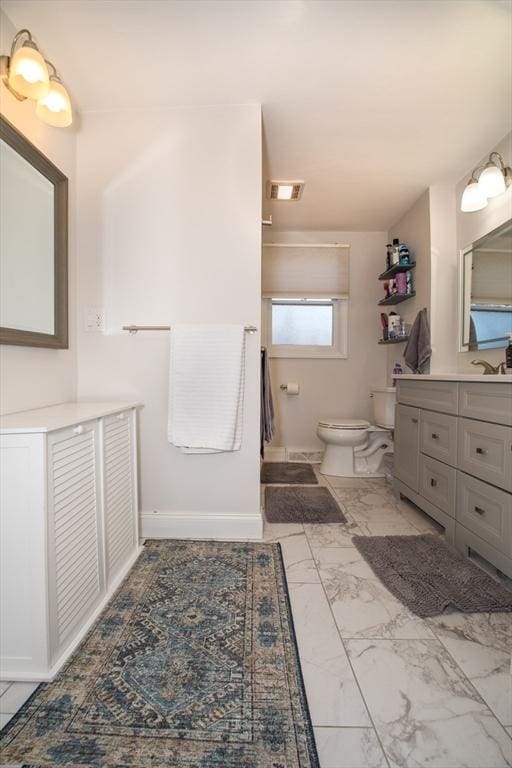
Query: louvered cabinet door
x=119 y=493
x=75 y=556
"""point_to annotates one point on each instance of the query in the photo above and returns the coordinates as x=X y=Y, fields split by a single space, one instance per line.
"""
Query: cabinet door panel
x=119 y=491
x=486 y=511
x=437 y=484
x=439 y=436
x=407 y=445
x=485 y=451
x=76 y=578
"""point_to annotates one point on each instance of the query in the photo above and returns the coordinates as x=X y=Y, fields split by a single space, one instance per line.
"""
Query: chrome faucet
x=488 y=368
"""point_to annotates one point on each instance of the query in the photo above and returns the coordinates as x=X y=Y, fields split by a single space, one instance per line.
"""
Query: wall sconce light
x=25 y=74
x=493 y=180
x=55 y=108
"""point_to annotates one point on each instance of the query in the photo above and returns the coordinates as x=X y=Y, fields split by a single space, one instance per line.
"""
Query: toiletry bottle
x=397 y=370
x=508 y=355
x=404 y=254
x=395 y=256
x=389 y=251
x=408 y=281
x=401 y=283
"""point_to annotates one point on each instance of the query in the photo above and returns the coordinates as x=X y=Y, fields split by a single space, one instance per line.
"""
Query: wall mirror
x=33 y=245
x=486 y=291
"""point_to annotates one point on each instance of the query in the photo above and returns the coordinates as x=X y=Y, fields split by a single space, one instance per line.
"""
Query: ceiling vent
x=284 y=190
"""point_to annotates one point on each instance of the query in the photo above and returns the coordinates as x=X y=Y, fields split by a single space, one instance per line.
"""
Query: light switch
x=94 y=320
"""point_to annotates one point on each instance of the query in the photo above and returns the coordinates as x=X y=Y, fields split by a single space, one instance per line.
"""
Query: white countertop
x=59 y=416
x=488 y=379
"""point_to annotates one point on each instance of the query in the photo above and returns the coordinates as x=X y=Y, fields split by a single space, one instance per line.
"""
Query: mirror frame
x=30 y=153
x=462 y=345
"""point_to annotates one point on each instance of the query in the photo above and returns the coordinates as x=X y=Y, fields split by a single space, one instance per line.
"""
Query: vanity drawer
x=488 y=402
x=486 y=511
x=434 y=395
x=439 y=436
x=437 y=484
x=485 y=450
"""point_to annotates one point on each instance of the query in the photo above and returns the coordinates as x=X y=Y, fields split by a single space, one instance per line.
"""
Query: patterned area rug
x=428 y=576
x=287 y=472
x=302 y=505
x=193 y=664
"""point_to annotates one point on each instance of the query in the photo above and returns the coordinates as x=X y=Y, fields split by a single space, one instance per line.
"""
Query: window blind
x=305 y=271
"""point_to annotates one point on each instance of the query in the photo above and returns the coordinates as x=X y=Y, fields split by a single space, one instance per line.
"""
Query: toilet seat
x=344 y=423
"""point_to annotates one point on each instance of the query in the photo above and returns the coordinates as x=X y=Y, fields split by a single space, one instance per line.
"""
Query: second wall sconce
x=493 y=179
x=25 y=73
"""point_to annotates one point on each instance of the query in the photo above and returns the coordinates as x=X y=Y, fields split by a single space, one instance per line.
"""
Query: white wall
x=437 y=231
x=169 y=231
x=414 y=230
x=337 y=387
x=471 y=227
x=30 y=377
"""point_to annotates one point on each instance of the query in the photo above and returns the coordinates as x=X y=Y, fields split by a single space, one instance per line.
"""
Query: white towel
x=206 y=387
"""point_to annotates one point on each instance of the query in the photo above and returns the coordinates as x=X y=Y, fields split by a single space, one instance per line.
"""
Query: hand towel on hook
x=206 y=387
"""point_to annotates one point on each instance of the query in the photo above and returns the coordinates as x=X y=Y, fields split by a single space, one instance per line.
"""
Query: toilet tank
x=384 y=406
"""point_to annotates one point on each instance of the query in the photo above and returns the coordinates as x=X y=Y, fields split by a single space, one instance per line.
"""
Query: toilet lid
x=344 y=423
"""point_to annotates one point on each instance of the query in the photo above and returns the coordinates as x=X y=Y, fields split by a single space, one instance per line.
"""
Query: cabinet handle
x=414 y=421
x=120 y=416
x=433 y=482
x=79 y=430
x=434 y=436
x=481 y=451
x=480 y=510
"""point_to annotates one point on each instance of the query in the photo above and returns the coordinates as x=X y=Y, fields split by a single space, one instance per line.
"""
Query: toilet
x=356 y=448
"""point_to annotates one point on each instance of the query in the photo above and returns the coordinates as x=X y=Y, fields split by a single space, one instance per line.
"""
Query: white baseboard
x=200 y=525
x=275 y=454
x=294 y=453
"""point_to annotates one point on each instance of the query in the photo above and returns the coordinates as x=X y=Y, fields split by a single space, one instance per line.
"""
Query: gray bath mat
x=302 y=505
x=428 y=576
x=287 y=472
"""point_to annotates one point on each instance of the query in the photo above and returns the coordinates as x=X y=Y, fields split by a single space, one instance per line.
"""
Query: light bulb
x=491 y=181
x=284 y=191
x=55 y=108
x=473 y=199
x=28 y=74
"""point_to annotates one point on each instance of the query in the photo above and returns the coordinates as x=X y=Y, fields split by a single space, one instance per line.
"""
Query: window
x=306 y=327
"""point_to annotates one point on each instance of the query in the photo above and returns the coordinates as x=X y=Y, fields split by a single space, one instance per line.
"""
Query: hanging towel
x=206 y=387
x=418 y=351
x=267 y=404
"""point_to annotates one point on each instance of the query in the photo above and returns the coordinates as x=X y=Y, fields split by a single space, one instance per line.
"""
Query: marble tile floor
x=385 y=688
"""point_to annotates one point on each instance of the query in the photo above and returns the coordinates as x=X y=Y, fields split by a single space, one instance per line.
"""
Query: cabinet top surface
x=488 y=379
x=59 y=416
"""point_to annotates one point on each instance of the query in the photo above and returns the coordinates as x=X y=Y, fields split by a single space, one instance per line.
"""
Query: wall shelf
x=394 y=341
x=392 y=271
x=396 y=298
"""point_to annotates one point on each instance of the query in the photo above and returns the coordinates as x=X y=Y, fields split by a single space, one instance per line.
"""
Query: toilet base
x=344 y=461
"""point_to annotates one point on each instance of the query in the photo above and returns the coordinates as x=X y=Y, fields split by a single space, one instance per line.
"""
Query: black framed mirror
x=33 y=245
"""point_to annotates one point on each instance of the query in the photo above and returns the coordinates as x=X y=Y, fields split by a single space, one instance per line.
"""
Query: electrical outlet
x=95 y=319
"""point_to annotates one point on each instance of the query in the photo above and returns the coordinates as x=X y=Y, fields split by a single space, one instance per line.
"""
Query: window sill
x=306 y=354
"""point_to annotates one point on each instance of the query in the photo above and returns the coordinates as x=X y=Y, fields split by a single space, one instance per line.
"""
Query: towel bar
x=135 y=328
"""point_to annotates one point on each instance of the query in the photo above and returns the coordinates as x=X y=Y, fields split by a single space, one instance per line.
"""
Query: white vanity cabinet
x=69 y=533
x=459 y=469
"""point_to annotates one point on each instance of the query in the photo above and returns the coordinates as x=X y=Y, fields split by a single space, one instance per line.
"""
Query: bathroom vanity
x=69 y=529
x=453 y=458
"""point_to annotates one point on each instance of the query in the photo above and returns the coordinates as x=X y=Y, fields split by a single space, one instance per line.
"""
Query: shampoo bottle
x=397 y=370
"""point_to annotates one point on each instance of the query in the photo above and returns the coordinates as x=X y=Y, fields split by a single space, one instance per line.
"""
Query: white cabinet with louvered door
x=75 y=558
x=119 y=490
x=69 y=533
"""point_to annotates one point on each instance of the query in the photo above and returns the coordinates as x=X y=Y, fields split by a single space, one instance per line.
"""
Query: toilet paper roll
x=292 y=388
